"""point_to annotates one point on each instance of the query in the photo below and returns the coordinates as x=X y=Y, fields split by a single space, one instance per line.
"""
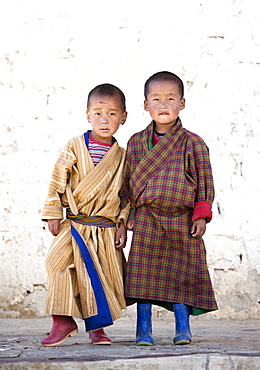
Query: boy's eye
x=97 y=114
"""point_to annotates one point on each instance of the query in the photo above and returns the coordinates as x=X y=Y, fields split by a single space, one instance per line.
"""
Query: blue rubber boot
x=183 y=333
x=144 y=325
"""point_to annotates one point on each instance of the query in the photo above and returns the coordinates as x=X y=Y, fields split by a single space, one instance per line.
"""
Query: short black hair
x=164 y=76
x=107 y=90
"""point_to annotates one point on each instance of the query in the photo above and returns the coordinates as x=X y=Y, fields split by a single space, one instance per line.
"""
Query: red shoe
x=99 y=337
x=62 y=328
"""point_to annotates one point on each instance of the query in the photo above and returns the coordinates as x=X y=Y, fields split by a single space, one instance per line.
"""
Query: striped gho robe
x=85 y=270
x=169 y=185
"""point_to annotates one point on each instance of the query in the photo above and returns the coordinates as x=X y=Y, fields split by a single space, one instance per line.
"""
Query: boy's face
x=106 y=115
x=164 y=103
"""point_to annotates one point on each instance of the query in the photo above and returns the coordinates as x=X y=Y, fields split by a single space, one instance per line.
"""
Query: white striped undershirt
x=97 y=150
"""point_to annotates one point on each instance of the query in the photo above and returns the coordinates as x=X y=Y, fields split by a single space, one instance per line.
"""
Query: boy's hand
x=54 y=226
x=130 y=225
x=121 y=236
x=198 y=228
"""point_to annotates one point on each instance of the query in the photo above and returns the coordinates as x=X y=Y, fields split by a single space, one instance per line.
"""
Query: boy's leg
x=61 y=300
x=144 y=324
x=182 y=314
x=63 y=287
x=99 y=337
x=62 y=327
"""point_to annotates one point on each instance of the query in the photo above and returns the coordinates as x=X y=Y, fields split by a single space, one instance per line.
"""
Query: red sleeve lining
x=202 y=210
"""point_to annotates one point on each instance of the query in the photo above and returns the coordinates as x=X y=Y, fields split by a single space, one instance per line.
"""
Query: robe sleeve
x=202 y=210
x=124 y=212
x=198 y=167
x=53 y=208
x=125 y=191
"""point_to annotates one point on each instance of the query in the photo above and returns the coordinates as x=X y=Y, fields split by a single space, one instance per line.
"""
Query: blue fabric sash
x=103 y=318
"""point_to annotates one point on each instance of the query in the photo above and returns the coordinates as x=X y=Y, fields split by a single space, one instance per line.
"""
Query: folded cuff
x=202 y=210
x=52 y=212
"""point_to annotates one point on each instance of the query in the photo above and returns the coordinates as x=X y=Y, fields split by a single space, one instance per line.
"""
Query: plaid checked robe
x=166 y=265
x=93 y=191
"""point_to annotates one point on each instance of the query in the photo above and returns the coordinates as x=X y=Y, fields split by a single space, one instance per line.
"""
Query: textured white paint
x=53 y=52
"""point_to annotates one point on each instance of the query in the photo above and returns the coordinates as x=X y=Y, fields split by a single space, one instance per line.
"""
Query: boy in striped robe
x=85 y=264
x=170 y=187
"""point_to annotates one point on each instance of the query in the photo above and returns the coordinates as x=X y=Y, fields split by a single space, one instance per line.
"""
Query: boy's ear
x=182 y=105
x=124 y=117
x=146 y=105
x=88 y=115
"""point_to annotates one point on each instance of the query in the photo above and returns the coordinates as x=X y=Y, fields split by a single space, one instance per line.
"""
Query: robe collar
x=155 y=159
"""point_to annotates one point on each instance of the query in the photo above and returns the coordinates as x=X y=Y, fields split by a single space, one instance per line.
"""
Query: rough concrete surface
x=217 y=344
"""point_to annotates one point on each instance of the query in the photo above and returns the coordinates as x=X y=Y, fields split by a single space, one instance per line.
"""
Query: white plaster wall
x=53 y=52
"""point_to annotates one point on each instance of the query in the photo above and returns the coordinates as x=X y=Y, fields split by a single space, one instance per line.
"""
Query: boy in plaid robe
x=170 y=188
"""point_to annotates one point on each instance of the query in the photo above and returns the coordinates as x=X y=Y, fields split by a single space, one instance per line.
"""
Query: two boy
x=169 y=186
